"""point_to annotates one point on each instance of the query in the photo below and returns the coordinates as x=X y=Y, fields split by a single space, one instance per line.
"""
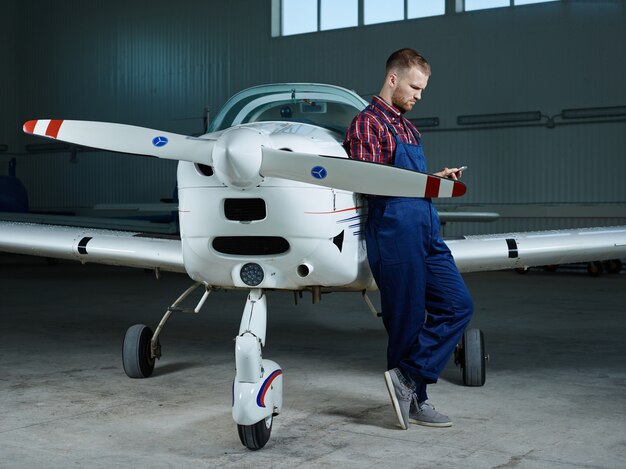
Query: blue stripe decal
x=260 y=398
x=343 y=220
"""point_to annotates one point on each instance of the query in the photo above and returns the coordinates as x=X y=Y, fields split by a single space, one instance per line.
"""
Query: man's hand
x=450 y=173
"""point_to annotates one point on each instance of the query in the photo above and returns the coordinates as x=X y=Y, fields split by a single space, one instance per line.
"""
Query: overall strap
x=395 y=134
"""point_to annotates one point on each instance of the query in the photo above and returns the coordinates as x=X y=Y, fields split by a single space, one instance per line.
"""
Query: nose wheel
x=255 y=436
x=470 y=355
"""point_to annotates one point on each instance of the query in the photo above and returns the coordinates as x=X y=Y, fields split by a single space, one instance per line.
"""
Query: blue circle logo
x=319 y=172
x=159 y=141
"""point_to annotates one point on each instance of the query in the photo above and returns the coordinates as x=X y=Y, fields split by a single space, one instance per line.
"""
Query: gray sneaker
x=401 y=393
x=424 y=413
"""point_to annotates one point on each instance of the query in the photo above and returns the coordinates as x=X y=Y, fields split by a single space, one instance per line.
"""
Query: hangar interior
x=545 y=84
x=158 y=65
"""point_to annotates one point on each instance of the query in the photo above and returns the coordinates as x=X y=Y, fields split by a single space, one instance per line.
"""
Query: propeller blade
x=124 y=138
x=356 y=175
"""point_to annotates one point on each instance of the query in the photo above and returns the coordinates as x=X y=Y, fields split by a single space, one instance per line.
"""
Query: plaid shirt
x=369 y=138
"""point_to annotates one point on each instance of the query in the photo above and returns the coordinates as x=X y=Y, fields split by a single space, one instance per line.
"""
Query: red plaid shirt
x=369 y=138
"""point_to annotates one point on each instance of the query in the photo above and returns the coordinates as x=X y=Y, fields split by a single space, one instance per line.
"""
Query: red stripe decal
x=260 y=399
x=459 y=189
x=29 y=127
x=53 y=128
x=432 y=187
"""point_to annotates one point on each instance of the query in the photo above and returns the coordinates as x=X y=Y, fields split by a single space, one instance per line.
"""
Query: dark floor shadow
x=173 y=368
x=452 y=376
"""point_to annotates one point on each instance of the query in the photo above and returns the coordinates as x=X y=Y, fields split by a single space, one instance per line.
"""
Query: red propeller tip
x=29 y=126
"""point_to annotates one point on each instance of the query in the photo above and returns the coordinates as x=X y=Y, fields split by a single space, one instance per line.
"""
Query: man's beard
x=404 y=105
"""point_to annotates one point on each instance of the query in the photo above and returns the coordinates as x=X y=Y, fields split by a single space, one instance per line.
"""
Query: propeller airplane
x=269 y=200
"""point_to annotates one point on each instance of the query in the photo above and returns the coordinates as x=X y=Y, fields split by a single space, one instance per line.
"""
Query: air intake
x=250 y=245
x=244 y=209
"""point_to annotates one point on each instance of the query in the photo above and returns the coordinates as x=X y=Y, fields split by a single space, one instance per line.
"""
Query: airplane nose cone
x=237 y=157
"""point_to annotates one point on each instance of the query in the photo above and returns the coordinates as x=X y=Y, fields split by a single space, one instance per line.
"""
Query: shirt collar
x=390 y=112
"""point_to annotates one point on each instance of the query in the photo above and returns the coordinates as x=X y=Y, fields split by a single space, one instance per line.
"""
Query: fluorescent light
x=615 y=111
x=505 y=118
x=422 y=122
x=47 y=147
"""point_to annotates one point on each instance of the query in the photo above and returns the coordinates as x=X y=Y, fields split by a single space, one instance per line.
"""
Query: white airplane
x=261 y=209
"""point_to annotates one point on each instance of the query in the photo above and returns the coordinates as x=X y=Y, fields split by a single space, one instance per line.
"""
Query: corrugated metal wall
x=159 y=63
x=8 y=79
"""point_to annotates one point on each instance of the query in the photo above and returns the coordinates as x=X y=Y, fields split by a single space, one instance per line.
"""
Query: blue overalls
x=415 y=273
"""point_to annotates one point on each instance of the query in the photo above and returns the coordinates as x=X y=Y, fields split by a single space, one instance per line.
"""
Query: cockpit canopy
x=327 y=106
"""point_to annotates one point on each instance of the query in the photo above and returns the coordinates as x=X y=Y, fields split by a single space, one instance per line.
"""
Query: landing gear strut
x=142 y=348
x=258 y=386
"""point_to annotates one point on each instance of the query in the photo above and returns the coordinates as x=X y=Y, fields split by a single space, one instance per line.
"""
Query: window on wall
x=298 y=16
x=377 y=11
x=425 y=8
x=291 y=17
x=335 y=14
x=471 y=5
x=528 y=2
x=383 y=11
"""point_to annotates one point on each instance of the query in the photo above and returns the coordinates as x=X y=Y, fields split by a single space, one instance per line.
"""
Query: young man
x=425 y=303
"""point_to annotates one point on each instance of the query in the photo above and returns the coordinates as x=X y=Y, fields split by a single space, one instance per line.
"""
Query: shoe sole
x=430 y=424
x=394 y=400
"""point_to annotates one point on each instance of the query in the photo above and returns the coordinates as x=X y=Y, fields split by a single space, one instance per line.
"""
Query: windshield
x=326 y=106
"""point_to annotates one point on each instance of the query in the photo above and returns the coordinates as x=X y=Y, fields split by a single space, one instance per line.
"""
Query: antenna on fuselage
x=206 y=119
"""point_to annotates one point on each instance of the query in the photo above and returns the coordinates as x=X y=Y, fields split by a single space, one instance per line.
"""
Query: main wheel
x=594 y=268
x=614 y=266
x=255 y=436
x=136 y=352
x=473 y=358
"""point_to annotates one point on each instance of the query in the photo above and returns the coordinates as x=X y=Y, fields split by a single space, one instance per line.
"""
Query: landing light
x=251 y=274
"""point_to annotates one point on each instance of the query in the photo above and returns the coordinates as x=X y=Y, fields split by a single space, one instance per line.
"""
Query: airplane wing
x=520 y=250
x=471 y=253
x=93 y=245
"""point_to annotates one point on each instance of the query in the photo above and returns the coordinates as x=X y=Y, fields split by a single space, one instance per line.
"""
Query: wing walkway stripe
x=82 y=245
x=512 y=244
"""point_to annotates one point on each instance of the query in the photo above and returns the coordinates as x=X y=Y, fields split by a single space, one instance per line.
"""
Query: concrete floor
x=555 y=394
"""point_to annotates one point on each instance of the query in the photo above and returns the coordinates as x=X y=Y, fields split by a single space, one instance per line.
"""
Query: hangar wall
x=159 y=63
x=8 y=83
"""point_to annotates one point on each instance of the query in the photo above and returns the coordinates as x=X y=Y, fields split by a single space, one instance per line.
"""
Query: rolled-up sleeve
x=363 y=139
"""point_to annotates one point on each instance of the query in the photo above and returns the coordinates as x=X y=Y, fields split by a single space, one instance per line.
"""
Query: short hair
x=406 y=58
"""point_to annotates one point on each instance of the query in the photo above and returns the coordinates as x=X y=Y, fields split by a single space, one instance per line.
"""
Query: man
x=425 y=303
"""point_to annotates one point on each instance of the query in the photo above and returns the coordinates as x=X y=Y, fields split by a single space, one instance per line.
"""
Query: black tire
x=257 y=435
x=614 y=266
x=136 y=352
x=594 y=268
x=473 y=358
